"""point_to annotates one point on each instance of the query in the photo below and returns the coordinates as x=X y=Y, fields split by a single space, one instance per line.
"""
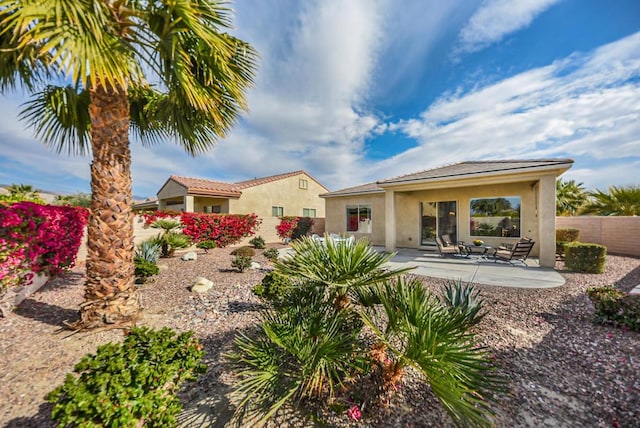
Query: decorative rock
x=191 y=255
x=202 y=285
x=635 y=290
x=255 y=265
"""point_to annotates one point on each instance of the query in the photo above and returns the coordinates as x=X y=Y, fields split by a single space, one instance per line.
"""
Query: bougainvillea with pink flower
x=294 y=227
x=41 y=238
x=223 y=229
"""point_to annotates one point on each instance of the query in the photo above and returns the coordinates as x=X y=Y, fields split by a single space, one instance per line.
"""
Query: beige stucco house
x=495 y=201
x=290 y=194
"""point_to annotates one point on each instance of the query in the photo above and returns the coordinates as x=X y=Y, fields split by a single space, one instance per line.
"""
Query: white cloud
x=586 y=106
x=495 y=19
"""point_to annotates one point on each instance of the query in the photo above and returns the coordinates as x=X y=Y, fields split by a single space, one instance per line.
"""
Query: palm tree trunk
x=110 y=295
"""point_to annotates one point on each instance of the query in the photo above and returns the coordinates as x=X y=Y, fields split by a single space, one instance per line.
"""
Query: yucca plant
x=148 y=251
x=464 y=299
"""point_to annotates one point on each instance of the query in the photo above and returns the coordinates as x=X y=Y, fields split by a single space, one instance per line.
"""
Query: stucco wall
x=199 y=202
x=171 y=189
x=282 y=193
x=408 y=212
x=336 y=216
x=619 y=234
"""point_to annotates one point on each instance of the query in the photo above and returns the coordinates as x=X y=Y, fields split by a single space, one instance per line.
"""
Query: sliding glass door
x=437 y=219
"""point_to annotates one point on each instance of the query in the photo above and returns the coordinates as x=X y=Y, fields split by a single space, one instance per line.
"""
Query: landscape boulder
x=255 y=265
x=191 y=255
x=202 y=285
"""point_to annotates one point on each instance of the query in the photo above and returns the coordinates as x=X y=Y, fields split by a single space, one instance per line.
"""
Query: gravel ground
x=563 y=371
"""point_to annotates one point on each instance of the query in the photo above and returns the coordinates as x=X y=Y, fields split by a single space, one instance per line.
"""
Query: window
x=303 y=184
x=277 y=211
x=359 y=218
x=308 y=212
x=495 y=216
x=215 y=209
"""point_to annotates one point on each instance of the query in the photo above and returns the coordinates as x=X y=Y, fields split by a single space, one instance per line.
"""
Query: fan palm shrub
x=170 y=239
x=311 y=341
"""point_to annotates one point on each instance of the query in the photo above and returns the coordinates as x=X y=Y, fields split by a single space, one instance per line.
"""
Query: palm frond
x=25 y=65
x=205 y=72
x=337 y=264
x=60 y=117
x=82 y=39
x=423 y=333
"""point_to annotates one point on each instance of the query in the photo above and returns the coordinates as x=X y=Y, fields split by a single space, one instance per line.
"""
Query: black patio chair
x=518 y=253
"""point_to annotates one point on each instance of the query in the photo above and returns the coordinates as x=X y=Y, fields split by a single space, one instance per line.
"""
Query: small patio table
x=477 y=250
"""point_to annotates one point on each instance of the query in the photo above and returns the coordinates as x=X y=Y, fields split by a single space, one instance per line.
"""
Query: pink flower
x=609 y=335
x=354 y=413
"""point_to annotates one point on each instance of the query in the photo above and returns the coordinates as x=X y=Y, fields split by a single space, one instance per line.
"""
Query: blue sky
x=358 y=90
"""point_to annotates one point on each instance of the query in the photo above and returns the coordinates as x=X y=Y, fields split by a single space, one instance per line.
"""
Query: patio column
x=390 y=220
x=188 y=204
x=547 y=220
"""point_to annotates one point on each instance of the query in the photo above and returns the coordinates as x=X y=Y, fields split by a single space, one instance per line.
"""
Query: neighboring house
x=291 y=194
x=495 y=201
x=149 y=204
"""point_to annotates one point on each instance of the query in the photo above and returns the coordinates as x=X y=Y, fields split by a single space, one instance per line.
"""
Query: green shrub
x=241 y=262
x=257 y=242
x=271 y=254
x=567 y=235
x=144 y=268
x=274 y=286
x=584 y=257
x=563 y=237
x=207 y=245
x=303 y=227
x=461 y=298
x=243 y=251
x=613 y=306
x=129 y=384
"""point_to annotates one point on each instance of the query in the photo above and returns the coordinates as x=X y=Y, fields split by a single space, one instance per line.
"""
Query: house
x=148 y=204
x=495 y=201
x=291 y=194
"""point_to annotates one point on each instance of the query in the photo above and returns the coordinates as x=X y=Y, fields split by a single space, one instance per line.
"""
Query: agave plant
x=465 y=299
x=148 y=251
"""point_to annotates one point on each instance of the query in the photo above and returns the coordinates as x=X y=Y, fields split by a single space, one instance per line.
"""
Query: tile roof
x=364 y=188
x=202 y=186
x=462 y=169
x=457 y=170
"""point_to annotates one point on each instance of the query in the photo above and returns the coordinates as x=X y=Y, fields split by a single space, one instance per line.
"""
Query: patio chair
x=518 y=253
x=446 y=240
x=447 y=250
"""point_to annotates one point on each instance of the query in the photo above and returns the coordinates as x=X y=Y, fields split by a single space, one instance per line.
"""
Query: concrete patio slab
x=476 y=270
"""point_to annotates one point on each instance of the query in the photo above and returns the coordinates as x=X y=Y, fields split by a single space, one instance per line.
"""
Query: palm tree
x=107 y=52
x=619 y=201
x=570 y=197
